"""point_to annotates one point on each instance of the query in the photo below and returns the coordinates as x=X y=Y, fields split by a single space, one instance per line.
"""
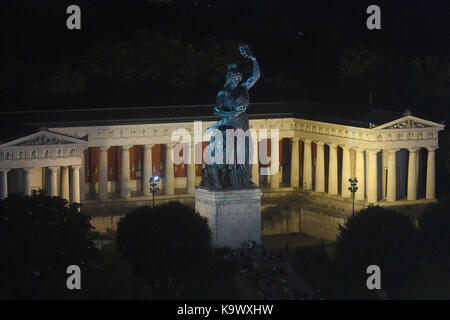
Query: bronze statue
x=231 y=105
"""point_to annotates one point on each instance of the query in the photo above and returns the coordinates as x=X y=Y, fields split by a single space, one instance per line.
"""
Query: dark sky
x=34 y=32
x=416 y=24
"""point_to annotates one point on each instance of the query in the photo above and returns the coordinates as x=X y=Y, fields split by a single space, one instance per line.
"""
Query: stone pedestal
x=234 y=216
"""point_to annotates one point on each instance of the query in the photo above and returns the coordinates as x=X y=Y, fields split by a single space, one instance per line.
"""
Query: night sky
x=298 y=45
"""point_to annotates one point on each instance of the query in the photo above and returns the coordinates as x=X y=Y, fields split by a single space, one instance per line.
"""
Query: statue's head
x=233 y=76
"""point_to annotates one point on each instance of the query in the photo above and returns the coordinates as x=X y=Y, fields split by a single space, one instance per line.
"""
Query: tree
x=361 y=63
x=431 y=77
x=64 y=81
x=151 y=66
x=363 y=71
x=159 y=60
x=111 y=278
x=377 y=236
x=168 y=240
x=40 y=236
x=435 y=230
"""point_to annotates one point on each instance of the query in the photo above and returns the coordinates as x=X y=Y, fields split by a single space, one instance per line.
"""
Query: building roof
x=20 y=123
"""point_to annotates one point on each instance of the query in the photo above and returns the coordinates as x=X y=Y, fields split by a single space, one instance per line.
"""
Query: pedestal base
x=234 y=216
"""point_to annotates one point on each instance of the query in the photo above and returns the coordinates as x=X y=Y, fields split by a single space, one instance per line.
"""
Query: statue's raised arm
x=248 y=54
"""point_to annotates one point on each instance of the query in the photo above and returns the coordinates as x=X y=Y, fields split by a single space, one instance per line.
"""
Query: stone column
x=125 y=173
x=75 y=190
x=431 y=174
x=65 y=183
x=26 y=181
x=255 y=164
x=190 y=170
x=148 y=169
x=320 y=167
x=346 y=172
x=274 y=164
x=333 y=170
x=103 y=174
x=307 y=165
x=360 y=174
x=82 y=178
x=53 y=181
x=295 y=165
x=392 y=176
x=169 y=187
x=372 y=174
x=417 y=165
x=412 y=181
x=4 y=186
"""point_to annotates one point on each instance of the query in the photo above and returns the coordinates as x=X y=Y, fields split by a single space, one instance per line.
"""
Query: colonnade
x=168 y=181
x=365 y=170
x=69 y=188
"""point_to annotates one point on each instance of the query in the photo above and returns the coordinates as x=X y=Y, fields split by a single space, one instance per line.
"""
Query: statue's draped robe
x=231 y=176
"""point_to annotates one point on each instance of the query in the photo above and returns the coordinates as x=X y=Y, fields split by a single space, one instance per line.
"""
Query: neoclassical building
x=103 y=158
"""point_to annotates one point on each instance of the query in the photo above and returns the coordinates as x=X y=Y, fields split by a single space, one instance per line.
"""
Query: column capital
x=393 y=150
x=373 y=151
x=345 y=147
x=104 y=148
x=413 y=149
x=148 y=146
x=359 y=149
x=295 y=139
x=126 y=148
x=28 y=170
x=4 y=170
x=332 y=145
x=319 y=143
x=171 y=145
x=77 y=167
x=432 y=149
x=307 y=141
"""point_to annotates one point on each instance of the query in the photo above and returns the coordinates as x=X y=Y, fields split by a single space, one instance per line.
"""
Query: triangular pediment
x=410 y=122
x=43 y=138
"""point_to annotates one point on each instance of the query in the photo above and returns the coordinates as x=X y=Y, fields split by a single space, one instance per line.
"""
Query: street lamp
x=353 y=189
x=154 y=187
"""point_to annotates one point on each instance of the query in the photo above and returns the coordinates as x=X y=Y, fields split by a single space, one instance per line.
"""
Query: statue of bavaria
x=231 y=106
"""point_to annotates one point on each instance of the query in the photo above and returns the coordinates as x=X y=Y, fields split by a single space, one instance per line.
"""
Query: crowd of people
x=264 y=272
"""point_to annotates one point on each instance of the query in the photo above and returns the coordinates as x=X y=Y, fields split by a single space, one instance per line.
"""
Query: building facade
x=394 y=162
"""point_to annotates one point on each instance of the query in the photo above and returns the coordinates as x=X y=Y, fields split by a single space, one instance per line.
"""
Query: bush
x=435 y=230
x=377 y=236
x=314 y=265
x=169 y=240
x=112 y=278
x=40 y=236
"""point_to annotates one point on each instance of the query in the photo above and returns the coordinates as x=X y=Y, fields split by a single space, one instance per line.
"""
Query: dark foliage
x=376 y=236
x=299 y=46
x=169 y=240
x=40 y=236
x=435 y=230
x=112 y=278
x=314 y=265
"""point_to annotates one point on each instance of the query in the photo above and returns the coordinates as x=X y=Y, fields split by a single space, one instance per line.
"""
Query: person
x=231 y=105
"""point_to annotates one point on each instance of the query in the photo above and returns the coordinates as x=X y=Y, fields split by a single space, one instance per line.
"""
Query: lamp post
x=154 y=187
x=353 y=189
